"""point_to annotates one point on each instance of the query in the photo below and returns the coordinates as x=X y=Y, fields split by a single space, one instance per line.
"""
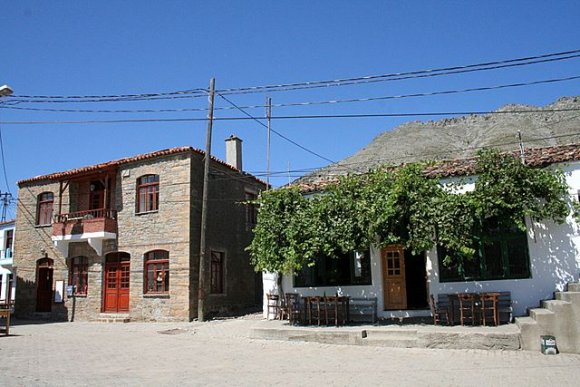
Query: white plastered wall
x=554 y=251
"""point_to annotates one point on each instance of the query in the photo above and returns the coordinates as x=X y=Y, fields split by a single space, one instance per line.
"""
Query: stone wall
x=165 y=229
x=32 y=243
x=229 y=232
x=174 y=227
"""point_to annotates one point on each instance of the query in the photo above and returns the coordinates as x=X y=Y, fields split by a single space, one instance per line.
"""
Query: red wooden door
x=117 y=278
x=44 y=285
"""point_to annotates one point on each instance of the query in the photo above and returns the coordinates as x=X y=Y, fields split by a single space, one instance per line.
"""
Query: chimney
x=234 y=152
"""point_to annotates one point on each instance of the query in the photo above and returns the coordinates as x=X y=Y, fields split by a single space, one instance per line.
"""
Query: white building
x=7 y=278
x=530 y=265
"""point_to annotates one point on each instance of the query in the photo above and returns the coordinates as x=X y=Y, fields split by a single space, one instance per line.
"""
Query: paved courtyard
x=220 y=353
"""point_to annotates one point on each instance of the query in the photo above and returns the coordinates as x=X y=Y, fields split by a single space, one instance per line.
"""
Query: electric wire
x=407 y=75
x=289 y=117
x=200 y=92
x=276 y=132
x=306 y=103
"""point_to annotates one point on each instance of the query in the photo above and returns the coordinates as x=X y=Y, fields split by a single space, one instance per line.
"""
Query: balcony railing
x=84 y=222
x=86 y=215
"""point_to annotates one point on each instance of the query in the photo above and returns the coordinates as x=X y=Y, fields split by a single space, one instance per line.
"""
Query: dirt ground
x=220 y=353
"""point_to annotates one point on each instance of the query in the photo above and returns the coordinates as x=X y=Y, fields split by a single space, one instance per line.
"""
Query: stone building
x=122 y=238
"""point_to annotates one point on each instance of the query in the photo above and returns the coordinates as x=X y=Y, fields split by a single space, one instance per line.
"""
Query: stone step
x=530 y=332
x=113 y=318
x=542 y=316
x=390 y=334
x=574 y=287
x=571 y=297
x=393 y=338
x=557 y=306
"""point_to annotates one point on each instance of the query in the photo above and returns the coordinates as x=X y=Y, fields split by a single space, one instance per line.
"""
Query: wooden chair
x=315 y=309
x=466 y=308
x=331 y=310
x=488 y=308
x=293 y=308
x=273 y=305
x=438 y=312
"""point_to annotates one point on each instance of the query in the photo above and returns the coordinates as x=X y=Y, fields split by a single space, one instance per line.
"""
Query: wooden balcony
x=85 y=222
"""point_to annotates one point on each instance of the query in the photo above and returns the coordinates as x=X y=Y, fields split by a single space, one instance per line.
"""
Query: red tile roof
x=111 y=164
x=535 y=157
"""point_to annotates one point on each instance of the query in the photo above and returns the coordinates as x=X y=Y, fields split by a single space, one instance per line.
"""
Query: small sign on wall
x=59 y=291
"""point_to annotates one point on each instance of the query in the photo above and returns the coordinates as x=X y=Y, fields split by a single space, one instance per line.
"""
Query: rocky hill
x=462 y=137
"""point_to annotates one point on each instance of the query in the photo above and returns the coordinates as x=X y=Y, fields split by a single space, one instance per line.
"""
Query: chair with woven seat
x=293 y=308
x=315 y=309
x=273 y=306
x=466 y=308
x=438 y=312
x=331 y=310
x=488 y=308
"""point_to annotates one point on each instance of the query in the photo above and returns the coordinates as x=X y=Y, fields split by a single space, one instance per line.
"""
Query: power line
x=308 y=103
x=276 y=132
x=410 y=74
x=295 y=117
x=201 y=92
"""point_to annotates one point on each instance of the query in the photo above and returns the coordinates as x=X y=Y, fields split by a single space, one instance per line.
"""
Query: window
x=44 y=209
x=346 y=269
x=78 y=275
x=9 y=239
x=217 y=272
x=502 y=253
x=148 y=193
x=251 y=210
x=157 y=272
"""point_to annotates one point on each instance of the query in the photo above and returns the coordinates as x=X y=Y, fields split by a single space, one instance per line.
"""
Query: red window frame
x=217 y=272
x=148 y=193
x=44 y=209
x=79 y=275
x=156 y=267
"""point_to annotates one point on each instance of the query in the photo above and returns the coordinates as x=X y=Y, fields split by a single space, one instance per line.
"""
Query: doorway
x=416 y=281
x=44 y=273
x=97 y=195
x=404 y=279
x=394 y=284
x=116 y=282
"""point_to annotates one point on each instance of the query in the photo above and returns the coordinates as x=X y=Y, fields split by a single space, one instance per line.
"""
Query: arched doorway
x=116 y=282
x=44 y=271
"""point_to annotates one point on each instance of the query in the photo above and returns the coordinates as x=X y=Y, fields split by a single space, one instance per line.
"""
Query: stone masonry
x=174 y=227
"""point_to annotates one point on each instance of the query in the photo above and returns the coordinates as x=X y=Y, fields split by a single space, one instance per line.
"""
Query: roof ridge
x=127 y=160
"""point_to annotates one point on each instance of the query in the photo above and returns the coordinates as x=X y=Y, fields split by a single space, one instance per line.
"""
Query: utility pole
x=203 y=236
x=5 y=198
x=269 y=115
x=522 y=154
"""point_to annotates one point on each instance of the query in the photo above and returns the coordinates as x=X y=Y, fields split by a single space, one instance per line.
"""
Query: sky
x=98 y=48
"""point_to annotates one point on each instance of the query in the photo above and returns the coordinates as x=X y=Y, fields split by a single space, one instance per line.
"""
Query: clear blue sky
x=125 y=47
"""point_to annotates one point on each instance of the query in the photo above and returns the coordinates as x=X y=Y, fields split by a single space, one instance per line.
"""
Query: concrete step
x=574 y=287
x=390 y=334
x=557 y=306
x=543 y=316
x=530 y=332
x=571 y=297
x=399 y=338
x=113 y=318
